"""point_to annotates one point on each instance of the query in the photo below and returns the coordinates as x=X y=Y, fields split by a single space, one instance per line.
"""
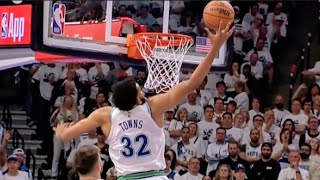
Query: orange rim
x=151 y=38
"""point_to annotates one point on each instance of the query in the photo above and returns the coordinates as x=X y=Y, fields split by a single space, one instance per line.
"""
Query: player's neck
x=90 y=177
x=14 y=173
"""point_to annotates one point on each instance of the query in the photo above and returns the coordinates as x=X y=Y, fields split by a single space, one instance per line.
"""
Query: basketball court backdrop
x=99 y=29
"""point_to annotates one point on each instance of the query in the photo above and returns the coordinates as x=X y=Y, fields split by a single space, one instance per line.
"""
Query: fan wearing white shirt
x=193 y=170
x=232 y=77
x=256 y=66
x=195 y=110
x=207 y=126
x=232 y=133
x=251 y=151
x=218 y=110
x=264 y=57
x=298 y=118
x=311 y=132
x=255 y=109
x=82 y=74
x=293 y=172
x=13 y=172
x=279 y=111
x=221 y=93
x=249 y=17
x=257 y=123
x=242 y=98
x=205 y=95
x=185 y=150
x=276 y=12
x=270 y=127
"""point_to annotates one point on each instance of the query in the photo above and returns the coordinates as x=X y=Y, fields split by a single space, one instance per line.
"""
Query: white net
x=164 y=54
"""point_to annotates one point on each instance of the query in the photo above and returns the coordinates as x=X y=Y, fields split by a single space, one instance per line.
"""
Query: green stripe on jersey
x=142 y=175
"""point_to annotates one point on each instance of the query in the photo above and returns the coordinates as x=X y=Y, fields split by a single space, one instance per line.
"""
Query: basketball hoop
x=163 y=53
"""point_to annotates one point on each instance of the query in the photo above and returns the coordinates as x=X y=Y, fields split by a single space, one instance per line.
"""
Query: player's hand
x=221 y=35
x=60 y=129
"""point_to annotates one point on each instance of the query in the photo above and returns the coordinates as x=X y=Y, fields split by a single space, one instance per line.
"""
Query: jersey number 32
x=129 y=151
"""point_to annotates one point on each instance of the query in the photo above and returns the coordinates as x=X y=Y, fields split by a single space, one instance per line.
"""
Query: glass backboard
x=98 y=29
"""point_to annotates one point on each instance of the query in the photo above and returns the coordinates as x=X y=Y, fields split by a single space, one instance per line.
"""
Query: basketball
x=216 y=11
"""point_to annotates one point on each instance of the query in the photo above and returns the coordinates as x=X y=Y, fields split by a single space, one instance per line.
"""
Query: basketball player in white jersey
x=134 y=127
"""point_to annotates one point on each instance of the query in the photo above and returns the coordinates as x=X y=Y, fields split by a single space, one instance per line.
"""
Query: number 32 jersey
x=136 y=142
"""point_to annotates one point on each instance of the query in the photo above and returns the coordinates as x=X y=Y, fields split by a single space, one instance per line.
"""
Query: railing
x=6 y=117
x=29 y=156
x=17 y=139
x=41 y=175
x=302 y=63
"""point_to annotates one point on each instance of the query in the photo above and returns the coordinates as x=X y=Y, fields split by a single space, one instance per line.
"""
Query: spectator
x=307 y=107
x=66 y=113
x=277 y=12
x=96 y=74
x=315 y=150
x=168 y=171
x=251 y=151
x=196 y=139
x=174 y=128
x=299 y=119
x=221 y=93
x=232 y=107
x=279 y=111
x=13 y=172
x=20 y=157
x=308 y=164
x=218 y=110
x=257 y=123
x=104 y=153
x=254 y=11
x=144 y=17
x=214 y=154
x=289 y=124
x=231 y=78
x=193 y=170
x=241 y=98
x=205 y=95
x=195 y=110
x=294 y=171
x=182 y=116
x=246 y=116
x=269 y=125
x=233 y=159
x=173 y=157
x=255 y=108
x=238 y=121
x=266 y=167
x=256 y=66
x=207 y=126
x=240 y=172
x=223 y=173
x=45 y=78
x=311 y=132
x=185 y=150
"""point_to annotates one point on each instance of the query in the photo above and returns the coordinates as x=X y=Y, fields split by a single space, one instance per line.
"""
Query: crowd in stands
x=221 y=131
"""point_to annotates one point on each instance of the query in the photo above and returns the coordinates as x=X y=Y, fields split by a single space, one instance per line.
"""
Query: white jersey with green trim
x=136 y=142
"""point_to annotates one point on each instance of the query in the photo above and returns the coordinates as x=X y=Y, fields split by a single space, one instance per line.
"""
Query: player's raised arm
x=97 y=118
x=162 y=102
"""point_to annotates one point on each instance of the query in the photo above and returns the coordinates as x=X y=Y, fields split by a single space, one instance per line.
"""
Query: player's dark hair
x=125 y=94
x=86 y=158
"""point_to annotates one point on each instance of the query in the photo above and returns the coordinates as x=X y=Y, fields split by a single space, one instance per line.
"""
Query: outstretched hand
x=221 y=35
x=60 y=129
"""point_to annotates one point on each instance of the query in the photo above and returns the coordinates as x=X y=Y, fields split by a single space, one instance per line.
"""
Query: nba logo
x=59 y=14
x=4 y=25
